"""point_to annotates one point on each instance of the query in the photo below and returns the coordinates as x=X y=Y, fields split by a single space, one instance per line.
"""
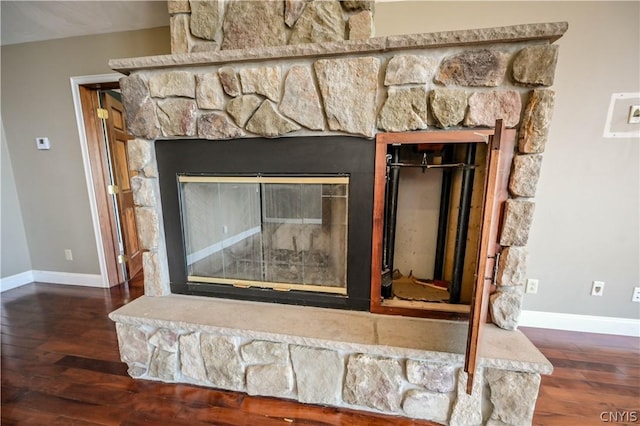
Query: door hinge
x=103 y=114
x=494 y=274
x=112 y=189
x=122 y=258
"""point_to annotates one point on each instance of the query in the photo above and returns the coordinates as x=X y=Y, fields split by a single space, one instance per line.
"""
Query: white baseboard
x=583 y=323
x=15 y=281
x=68 y=278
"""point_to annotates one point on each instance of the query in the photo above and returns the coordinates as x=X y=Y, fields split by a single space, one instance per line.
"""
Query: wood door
x=501 y=146
x=117 y=142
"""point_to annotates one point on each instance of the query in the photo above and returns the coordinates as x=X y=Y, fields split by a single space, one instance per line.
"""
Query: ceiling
x=25 y=21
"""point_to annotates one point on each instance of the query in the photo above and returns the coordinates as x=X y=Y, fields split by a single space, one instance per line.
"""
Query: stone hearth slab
x=348 y=331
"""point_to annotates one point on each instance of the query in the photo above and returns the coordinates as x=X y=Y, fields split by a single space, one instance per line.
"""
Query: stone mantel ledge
x=347 y=331
x=516 y=33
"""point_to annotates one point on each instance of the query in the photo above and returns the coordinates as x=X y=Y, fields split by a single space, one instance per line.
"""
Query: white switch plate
x=43 y=143
x=636 y=294
x=532 y=286
x=597 y=288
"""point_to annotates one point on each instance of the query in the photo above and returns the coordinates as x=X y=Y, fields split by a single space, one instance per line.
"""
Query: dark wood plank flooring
x=60 y=366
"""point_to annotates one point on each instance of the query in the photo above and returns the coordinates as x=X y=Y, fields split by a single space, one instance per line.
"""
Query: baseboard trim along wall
x=52 y=277
x=583 y=323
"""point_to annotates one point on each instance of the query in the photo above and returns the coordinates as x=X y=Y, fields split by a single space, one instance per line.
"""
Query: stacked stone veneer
x=431 y=387
x=209 y=25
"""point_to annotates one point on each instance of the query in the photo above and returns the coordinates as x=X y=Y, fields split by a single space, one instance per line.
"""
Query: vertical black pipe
x=463 y=224
x=443 y=216
x=391 y=210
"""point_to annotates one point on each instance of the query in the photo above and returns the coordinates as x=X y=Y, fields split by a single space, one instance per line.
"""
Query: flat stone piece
x=204 y=46
x=513 y=395
x=268 y=122
x=358 y=4
x=180 y=35
x=320 y=22
x=373 y=382
x=361 y=25
x=178 y=6
x=512 y=267
x=404 y=109
x=163 y=365
x=217 y=126
x=155 y=283
x=140 y=110
x=505 y=307
x=524 y=177
x=486 y=107
x=448 y=106
x=222 y=362
x=177 y=116
x=473 y=68
x=140 y=153
x=409 y=69
x=292 y=11
x=165 y=339
x=209 y=93
x=348 y=87
x=433 y=377
x=254 y=24
x=133 y=344
x=420 y=404
x=148 y=227
x=300 y=101
x=206 y=18
x=532 y=137
x=174 y=83
x=144 y=193
x=536 y=65
x=518 y=215
x=261 y=352
x=270 y=380
x=318 y=374
x=263 y=81
x=467 y=409
x=191 y=363
x=230 y=81
x=242 y=108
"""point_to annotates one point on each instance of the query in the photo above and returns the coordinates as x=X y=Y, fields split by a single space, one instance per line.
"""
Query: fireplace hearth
x=313 y=110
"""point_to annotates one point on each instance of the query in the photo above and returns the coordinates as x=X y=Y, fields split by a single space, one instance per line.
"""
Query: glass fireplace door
x=285 y=233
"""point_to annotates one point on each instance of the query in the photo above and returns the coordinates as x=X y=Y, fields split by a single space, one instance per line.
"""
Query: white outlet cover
x=597 y=288
x=43 y=143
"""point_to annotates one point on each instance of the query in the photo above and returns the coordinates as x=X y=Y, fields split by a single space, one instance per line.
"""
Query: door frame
x=102 y=226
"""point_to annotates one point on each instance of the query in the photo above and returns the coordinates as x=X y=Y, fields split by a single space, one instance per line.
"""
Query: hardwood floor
x=60 y=366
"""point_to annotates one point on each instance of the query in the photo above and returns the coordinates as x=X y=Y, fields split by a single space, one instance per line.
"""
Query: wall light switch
x=43 y=143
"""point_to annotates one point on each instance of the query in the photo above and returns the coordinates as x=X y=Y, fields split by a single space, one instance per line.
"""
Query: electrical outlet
x=597 y=288
x=532 y=286
x=634 y=114
x=636 y=294
x=68 y=254
x=43 y=143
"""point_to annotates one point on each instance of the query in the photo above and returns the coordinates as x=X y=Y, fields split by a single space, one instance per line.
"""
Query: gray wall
x=14 y=253
x=37 y=101
x=586 y=220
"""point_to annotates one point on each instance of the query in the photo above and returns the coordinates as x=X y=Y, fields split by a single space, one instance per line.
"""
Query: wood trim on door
x=97 y=160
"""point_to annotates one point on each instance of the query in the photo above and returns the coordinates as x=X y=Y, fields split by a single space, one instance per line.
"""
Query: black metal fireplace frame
x=294 y=156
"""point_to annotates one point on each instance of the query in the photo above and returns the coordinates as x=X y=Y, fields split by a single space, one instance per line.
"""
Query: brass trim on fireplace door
x=329 y=180
x=266 y=284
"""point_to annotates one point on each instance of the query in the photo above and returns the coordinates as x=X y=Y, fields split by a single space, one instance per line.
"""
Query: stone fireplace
x=211 y=91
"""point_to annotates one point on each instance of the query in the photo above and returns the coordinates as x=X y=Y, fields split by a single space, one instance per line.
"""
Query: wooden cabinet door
x=117 y=139
x=501 y=146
